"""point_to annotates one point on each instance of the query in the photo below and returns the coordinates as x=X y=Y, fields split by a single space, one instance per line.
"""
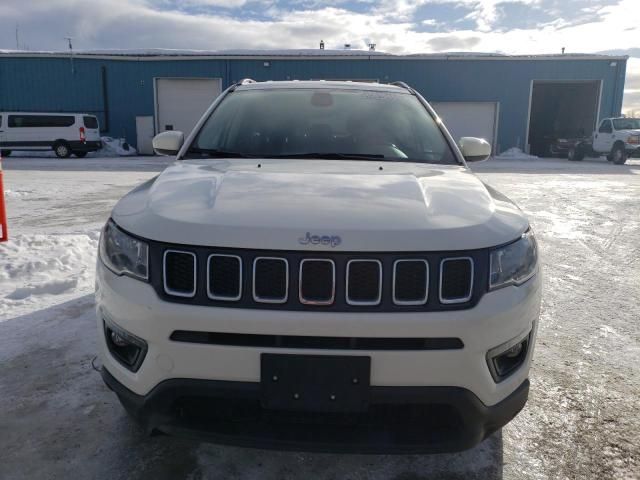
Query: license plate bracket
x=315 y=383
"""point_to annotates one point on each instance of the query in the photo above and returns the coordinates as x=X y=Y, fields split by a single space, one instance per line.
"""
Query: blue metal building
x=530 y=97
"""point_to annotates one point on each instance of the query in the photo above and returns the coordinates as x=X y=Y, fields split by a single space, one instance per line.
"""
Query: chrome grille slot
x=364 y=282
x=179 y=269
x=410 y=282
x=456 y=280
x=317 y=281
x=270 y=280
x=224 y=277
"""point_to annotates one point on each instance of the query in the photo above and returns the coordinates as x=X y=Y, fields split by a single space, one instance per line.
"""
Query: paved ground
x=57 y=420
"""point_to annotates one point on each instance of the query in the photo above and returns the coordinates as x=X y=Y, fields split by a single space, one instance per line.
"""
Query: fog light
x=507 y=358
x=118 y=340
x=513 y=352
x=125 y=347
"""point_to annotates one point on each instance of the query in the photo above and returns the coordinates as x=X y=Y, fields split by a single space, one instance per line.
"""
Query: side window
x=605 y=127
x=23 y=121
x=15 y=121
x=90 y=122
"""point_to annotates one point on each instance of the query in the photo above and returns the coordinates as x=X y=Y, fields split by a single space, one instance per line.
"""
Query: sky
x=395 y=26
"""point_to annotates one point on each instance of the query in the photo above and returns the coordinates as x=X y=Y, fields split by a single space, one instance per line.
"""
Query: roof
x=319 y=84
x=163 y=54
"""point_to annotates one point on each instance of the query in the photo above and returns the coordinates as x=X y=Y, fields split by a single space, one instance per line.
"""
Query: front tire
x=62 y=150
x=618 y=155
x=5 y=153
x=575 y=154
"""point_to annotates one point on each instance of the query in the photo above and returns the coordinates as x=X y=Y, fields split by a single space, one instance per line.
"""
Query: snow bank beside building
x=514 y=153
x=115 y=147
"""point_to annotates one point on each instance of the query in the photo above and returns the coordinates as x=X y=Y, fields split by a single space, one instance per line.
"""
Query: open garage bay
x=58 y=420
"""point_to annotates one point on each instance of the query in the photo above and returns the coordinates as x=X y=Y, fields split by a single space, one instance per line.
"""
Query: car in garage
x=65 y=133
x=319 y=270
x=617 y=138
x=559 y=144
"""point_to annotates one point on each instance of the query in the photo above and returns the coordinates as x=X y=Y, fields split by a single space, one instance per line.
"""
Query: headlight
x=634 y=139
x=123 y=254
x=515 y=263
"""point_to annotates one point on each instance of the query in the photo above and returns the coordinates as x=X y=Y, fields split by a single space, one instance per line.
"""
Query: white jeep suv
x=319 y=270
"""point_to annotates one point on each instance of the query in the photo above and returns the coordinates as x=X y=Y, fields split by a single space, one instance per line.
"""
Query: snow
x=115 y=146
x=292 y=52
x=40 y=270
x=514 y=153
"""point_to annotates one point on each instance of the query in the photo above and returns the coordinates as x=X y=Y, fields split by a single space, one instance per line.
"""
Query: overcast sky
x=396 y=26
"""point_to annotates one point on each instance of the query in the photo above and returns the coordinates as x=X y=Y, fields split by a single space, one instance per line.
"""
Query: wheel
x=62 y=150
x=80 y=154
x=5 y=153
x=575 y=154
x=618 y=155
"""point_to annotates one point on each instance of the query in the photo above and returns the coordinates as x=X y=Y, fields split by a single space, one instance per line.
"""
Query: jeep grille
x=319 y=281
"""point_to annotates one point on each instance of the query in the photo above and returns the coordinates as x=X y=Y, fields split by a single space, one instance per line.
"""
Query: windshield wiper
x=215 y=153
x=332 y=156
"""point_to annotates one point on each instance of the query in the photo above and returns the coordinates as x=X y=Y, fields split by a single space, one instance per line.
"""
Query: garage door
x=469 y=119
x=180 y=102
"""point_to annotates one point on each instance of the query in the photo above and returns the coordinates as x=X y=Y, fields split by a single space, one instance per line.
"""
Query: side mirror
x=475 y=149
x=168 y=143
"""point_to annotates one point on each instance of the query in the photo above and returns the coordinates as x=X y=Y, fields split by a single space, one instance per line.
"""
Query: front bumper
x=633 y=150
x=398 y=420
x=421 y=400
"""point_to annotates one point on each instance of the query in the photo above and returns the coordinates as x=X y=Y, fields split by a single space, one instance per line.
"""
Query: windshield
x=626 y=124
x=323 y=123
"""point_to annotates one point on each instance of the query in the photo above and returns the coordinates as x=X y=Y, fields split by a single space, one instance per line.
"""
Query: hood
x=320 y=205
x=628 y=132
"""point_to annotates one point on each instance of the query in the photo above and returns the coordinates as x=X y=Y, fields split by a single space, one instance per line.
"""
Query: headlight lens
x=515 y=263
x=634 y=139
x=123 y=254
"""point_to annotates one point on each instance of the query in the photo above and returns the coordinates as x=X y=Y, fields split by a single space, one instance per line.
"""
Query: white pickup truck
x=319 y=270
x=617 y=138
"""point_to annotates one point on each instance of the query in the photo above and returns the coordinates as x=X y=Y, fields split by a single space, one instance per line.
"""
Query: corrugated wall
x=119 y=90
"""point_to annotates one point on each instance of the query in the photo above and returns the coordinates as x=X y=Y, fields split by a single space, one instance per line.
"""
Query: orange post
x=4 y=233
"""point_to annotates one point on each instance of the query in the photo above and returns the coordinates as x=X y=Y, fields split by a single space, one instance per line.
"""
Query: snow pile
x=37 y=271
x=17 y=193
x=514 y=153
x=115 y=146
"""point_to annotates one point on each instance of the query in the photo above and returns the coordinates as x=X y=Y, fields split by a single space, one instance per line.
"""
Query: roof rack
x=244 y=81
x=402 y=85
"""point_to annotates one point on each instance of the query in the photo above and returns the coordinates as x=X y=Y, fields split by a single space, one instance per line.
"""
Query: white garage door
x=469 y=119
x=180 y=102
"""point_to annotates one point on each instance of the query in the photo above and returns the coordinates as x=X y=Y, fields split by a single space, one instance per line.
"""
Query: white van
x=64 y=133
